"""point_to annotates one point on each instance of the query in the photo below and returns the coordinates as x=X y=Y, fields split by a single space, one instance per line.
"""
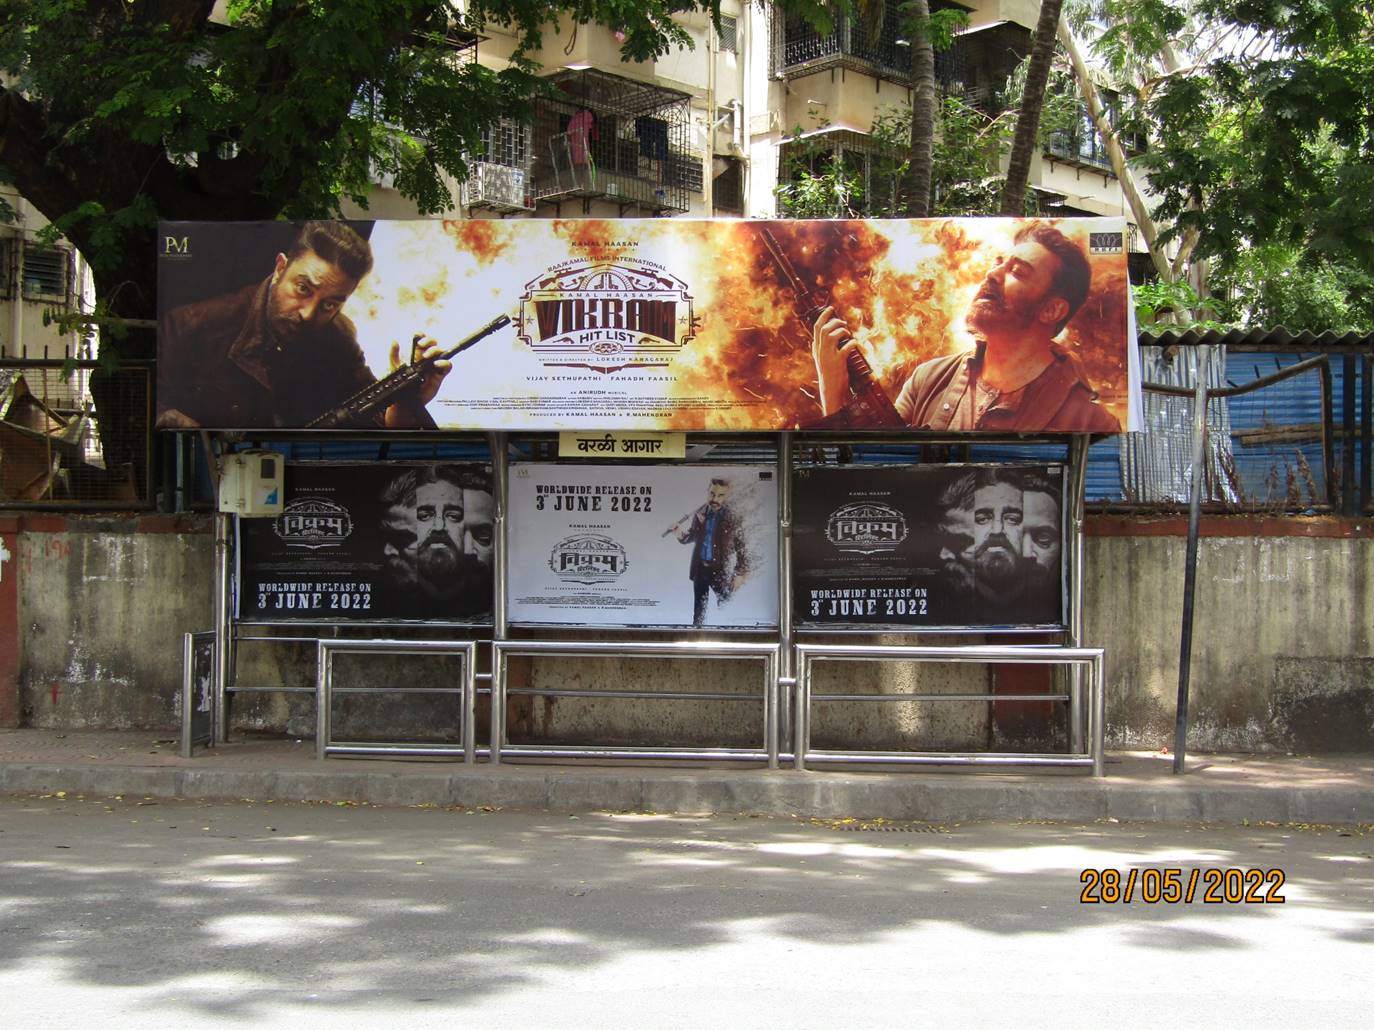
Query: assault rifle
x=870 y=407
x=387 y=390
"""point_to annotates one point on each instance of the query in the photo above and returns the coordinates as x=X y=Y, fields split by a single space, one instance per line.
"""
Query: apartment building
x=707 y=132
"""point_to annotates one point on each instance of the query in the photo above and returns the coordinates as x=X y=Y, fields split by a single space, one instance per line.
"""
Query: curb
x=945 y=798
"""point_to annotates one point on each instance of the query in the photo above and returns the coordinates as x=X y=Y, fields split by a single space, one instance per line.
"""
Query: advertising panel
x=370 y=542
x=944 y=325
x=609 y=545
x=914 y=547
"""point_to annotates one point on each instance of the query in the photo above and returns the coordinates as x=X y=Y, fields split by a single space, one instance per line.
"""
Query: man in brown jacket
x=1016 y=379
x=281 y=352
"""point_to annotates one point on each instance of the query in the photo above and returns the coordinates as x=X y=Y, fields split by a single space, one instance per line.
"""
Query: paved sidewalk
x=1138 y=785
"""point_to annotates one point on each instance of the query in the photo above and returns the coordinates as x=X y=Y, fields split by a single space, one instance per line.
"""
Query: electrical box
x=250 y=483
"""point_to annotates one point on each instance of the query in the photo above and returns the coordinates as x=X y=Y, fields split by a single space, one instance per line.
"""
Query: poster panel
x=647 y=324
x=915 y=547
x=372 y=542
x=610 y=545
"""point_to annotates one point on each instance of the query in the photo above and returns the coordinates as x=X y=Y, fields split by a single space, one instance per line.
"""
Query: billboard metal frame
x=786 y=694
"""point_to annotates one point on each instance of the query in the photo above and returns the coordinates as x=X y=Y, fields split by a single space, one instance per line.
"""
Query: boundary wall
x=92 y=612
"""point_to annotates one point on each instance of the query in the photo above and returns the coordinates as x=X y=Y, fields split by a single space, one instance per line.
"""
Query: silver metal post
x=323 y=658
x=500 y=468
x=801 y=733
x=1098 y=716
x=1078 y=481
x=222 y=624
x=188 y=675
x=785 y=633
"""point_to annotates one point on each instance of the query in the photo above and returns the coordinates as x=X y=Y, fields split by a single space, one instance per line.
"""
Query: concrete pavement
x=204 y=914
x=1138 y=786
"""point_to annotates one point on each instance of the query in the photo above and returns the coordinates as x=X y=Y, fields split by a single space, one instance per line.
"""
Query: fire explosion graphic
x=902 y=287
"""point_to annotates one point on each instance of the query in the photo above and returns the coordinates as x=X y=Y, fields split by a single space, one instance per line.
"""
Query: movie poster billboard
x=614 y=545
x=372 y=542
x=648 y=324
x=924 y=547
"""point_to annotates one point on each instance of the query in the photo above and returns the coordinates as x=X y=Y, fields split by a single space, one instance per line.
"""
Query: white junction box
x=250 y=483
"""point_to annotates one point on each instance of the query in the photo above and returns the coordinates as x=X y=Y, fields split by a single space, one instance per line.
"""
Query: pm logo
x=176 y=246
x=866 y=528
x=588 y=558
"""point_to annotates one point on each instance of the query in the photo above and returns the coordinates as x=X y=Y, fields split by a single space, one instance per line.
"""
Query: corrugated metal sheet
x=1277 y=338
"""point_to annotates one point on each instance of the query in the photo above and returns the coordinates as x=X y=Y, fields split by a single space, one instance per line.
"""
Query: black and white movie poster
x=609 y=545
x=372 y=542
x=928 y=546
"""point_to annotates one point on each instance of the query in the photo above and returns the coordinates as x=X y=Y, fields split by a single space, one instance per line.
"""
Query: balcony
x=608 y=138
x=798 y=49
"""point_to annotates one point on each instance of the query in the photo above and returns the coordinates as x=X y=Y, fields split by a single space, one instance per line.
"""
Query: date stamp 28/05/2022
x=1179 y=886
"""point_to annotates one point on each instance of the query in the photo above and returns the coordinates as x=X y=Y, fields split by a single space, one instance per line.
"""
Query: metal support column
x=1349 y=435
x=500 y=465
x=786 y=668
x=1078 y=483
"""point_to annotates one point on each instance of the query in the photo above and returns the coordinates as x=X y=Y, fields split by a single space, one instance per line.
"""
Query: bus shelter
x=623 y=479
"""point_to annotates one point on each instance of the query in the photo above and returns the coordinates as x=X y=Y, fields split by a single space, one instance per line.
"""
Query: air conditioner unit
x=495 y=186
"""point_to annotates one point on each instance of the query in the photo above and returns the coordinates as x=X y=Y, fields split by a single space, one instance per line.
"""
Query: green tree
x=115 y=113
x=1260 y=123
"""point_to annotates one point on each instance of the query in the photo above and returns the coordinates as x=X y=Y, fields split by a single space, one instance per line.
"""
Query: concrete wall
x=1281 y=633
x=1282 y=658
x=102 y=606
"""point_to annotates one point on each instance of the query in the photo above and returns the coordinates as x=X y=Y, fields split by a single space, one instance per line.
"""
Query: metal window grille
x=7 y=269
x=46 y=272
x=506 y=142
x=729 y=35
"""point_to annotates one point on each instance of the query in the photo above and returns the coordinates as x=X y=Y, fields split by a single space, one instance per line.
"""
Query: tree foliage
x=1260 y=116
x=116 y=113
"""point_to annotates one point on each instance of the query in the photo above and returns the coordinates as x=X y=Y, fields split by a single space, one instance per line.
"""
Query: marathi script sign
x=657 y=325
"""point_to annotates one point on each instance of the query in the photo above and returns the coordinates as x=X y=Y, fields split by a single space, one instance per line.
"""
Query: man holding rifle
x=1017 y=378
x=278 y=353
x=720 y=557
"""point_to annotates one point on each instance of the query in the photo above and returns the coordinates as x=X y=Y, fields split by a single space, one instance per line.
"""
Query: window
x=727 y=189
x=45 y=272
x=729 y=35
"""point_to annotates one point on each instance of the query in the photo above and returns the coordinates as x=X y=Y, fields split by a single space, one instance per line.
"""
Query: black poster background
x=340 y=552
x=897 y=547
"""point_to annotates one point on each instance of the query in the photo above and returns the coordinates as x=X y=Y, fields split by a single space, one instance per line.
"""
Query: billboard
x=371 y=542
x=911 y=547
x=942 y=325
x=615 y=545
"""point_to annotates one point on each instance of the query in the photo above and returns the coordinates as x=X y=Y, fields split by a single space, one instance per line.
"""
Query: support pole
x=785 y=668
x=1078 y=481
x=496 y=443
x=1185 y=648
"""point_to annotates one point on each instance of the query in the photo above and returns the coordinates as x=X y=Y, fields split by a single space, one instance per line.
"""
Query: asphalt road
x=142 y=913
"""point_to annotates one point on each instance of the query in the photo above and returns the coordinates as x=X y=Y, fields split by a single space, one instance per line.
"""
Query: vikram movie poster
x=915 y=547
x=368 y=543
x=648 y=324
x=614 y=545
